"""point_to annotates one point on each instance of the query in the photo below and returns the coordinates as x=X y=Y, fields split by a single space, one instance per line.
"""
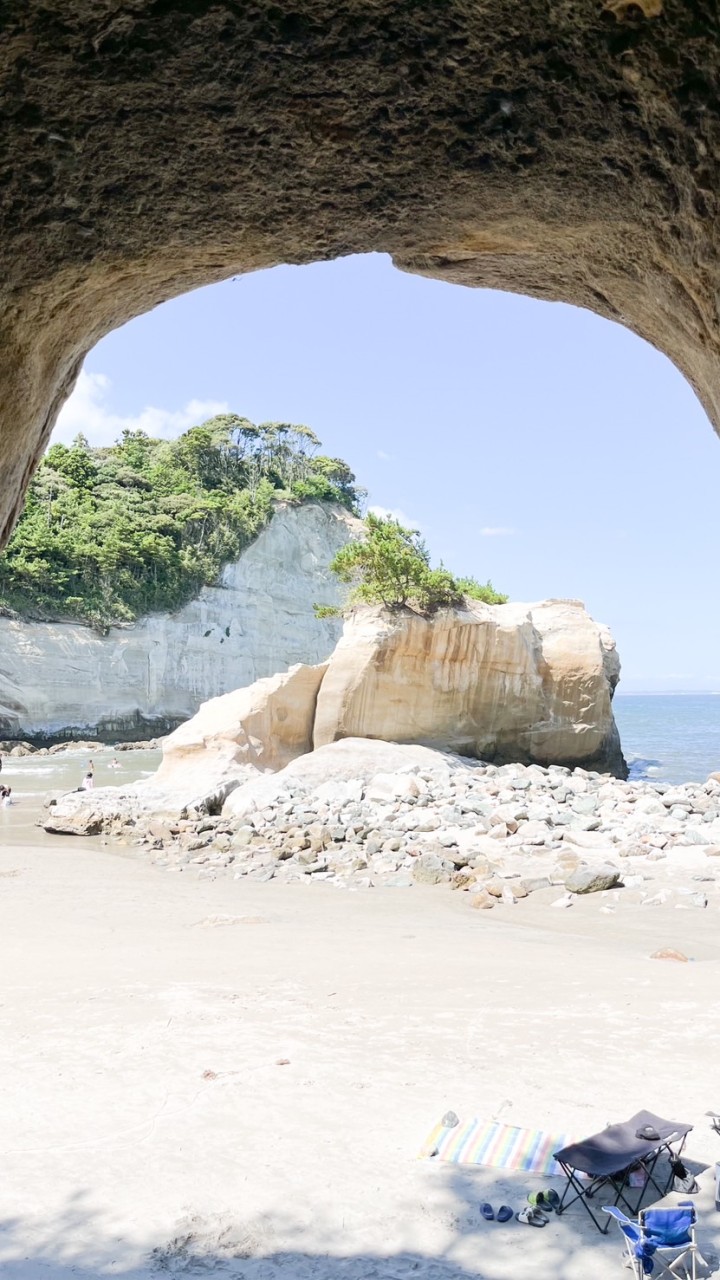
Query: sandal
x=531 y=1217
x=504 y=1213
x=546 y=1200
x=487 y=1212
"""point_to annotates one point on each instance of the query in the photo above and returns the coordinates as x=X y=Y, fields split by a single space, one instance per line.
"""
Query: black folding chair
x=607 y=1159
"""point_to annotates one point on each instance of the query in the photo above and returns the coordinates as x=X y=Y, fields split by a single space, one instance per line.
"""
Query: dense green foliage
x=110 y=534
x=391 y=566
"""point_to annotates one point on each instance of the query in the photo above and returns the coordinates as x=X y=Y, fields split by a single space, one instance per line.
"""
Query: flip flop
x=531 y=1217
x=547 y=1200
x=487 y=1212
x=505 y=1213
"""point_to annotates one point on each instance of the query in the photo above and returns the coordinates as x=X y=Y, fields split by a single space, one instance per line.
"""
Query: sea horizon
x=669 y=744
x=667 y=693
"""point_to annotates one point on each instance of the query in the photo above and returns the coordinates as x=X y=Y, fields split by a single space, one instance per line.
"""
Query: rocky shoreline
x=19 y=748
x=361 y=817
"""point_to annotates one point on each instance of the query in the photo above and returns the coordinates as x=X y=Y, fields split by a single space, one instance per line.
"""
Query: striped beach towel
x=501 y=1146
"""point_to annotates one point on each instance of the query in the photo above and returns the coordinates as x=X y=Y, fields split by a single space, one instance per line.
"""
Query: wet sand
x=232 y=1075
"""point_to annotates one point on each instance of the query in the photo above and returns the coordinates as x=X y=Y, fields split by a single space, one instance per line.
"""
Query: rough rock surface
x=500 y=682
x=264 y=727
x=341 y=770
x=592 y=879
x=59 y=678
x=566 y=151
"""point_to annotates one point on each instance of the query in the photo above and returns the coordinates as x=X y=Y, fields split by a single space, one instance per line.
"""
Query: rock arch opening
x=566 y=152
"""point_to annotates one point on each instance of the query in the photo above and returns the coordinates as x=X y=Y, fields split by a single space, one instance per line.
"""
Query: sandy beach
x=234 y=1075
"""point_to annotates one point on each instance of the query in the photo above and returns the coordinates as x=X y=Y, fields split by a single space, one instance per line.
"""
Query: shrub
x=391 y=566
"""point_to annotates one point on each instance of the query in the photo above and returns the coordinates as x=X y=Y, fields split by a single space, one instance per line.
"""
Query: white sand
x=391 y=1005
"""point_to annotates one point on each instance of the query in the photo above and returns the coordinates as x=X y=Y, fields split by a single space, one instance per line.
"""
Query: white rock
x=588 y=839
x=353 y=758
x=387 y=787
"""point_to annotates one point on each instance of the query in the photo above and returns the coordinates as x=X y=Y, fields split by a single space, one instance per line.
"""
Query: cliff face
x=503 y=682
x=60 y=677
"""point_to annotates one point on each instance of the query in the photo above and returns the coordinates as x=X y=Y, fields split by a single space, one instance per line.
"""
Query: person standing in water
x=89 y=779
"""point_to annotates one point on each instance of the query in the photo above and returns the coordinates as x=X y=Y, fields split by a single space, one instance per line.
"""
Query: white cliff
x=56 y=677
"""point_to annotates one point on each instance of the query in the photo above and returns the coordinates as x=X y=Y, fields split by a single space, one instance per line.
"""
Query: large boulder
x=333 y=769
x=264 y=726
x=532 y=683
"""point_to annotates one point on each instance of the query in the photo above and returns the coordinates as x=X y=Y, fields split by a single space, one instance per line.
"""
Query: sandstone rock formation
x=262 y=727
x=501 y=682
x=529 y=683
x=61 y=679
x=567 y=151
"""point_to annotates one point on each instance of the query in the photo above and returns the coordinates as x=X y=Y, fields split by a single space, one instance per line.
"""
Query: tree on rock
x=391 y=566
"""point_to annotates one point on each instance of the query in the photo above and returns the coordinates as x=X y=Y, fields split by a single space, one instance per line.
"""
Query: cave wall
x=566 y=149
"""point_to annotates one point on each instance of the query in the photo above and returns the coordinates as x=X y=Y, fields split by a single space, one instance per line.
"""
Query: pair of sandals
x=504 y=1213
x=540 y=1203
x=532 y=1217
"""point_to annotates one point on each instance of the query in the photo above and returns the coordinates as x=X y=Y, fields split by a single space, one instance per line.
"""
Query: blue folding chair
x=660 y=1238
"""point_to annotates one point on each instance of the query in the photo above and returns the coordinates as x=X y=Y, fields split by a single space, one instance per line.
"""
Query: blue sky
x=532 y=443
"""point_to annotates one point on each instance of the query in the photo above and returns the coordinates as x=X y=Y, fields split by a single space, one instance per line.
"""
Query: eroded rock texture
x=562 y=148
x=513 y=682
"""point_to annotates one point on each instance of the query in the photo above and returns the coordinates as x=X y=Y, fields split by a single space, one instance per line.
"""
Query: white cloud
x=87 y=412
x=496 y=531
x=393 y=513
x=385 y=457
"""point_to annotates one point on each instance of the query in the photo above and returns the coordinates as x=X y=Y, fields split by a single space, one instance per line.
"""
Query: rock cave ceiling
x=566 y=149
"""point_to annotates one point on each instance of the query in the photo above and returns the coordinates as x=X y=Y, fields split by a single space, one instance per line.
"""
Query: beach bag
x=682 y=1179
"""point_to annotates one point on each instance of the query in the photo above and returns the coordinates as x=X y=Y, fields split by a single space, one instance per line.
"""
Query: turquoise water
x=668 y=737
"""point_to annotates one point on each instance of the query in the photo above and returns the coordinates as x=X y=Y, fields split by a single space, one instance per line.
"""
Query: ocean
x=669 y=737
x=33 y=778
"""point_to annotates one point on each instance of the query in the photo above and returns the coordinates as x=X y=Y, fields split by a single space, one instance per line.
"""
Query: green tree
x=391 y=566
x=110 y=534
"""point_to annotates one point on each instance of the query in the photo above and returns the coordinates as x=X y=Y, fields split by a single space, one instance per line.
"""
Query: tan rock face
x=263 y=727
x=507 y=682
x=567 y=151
